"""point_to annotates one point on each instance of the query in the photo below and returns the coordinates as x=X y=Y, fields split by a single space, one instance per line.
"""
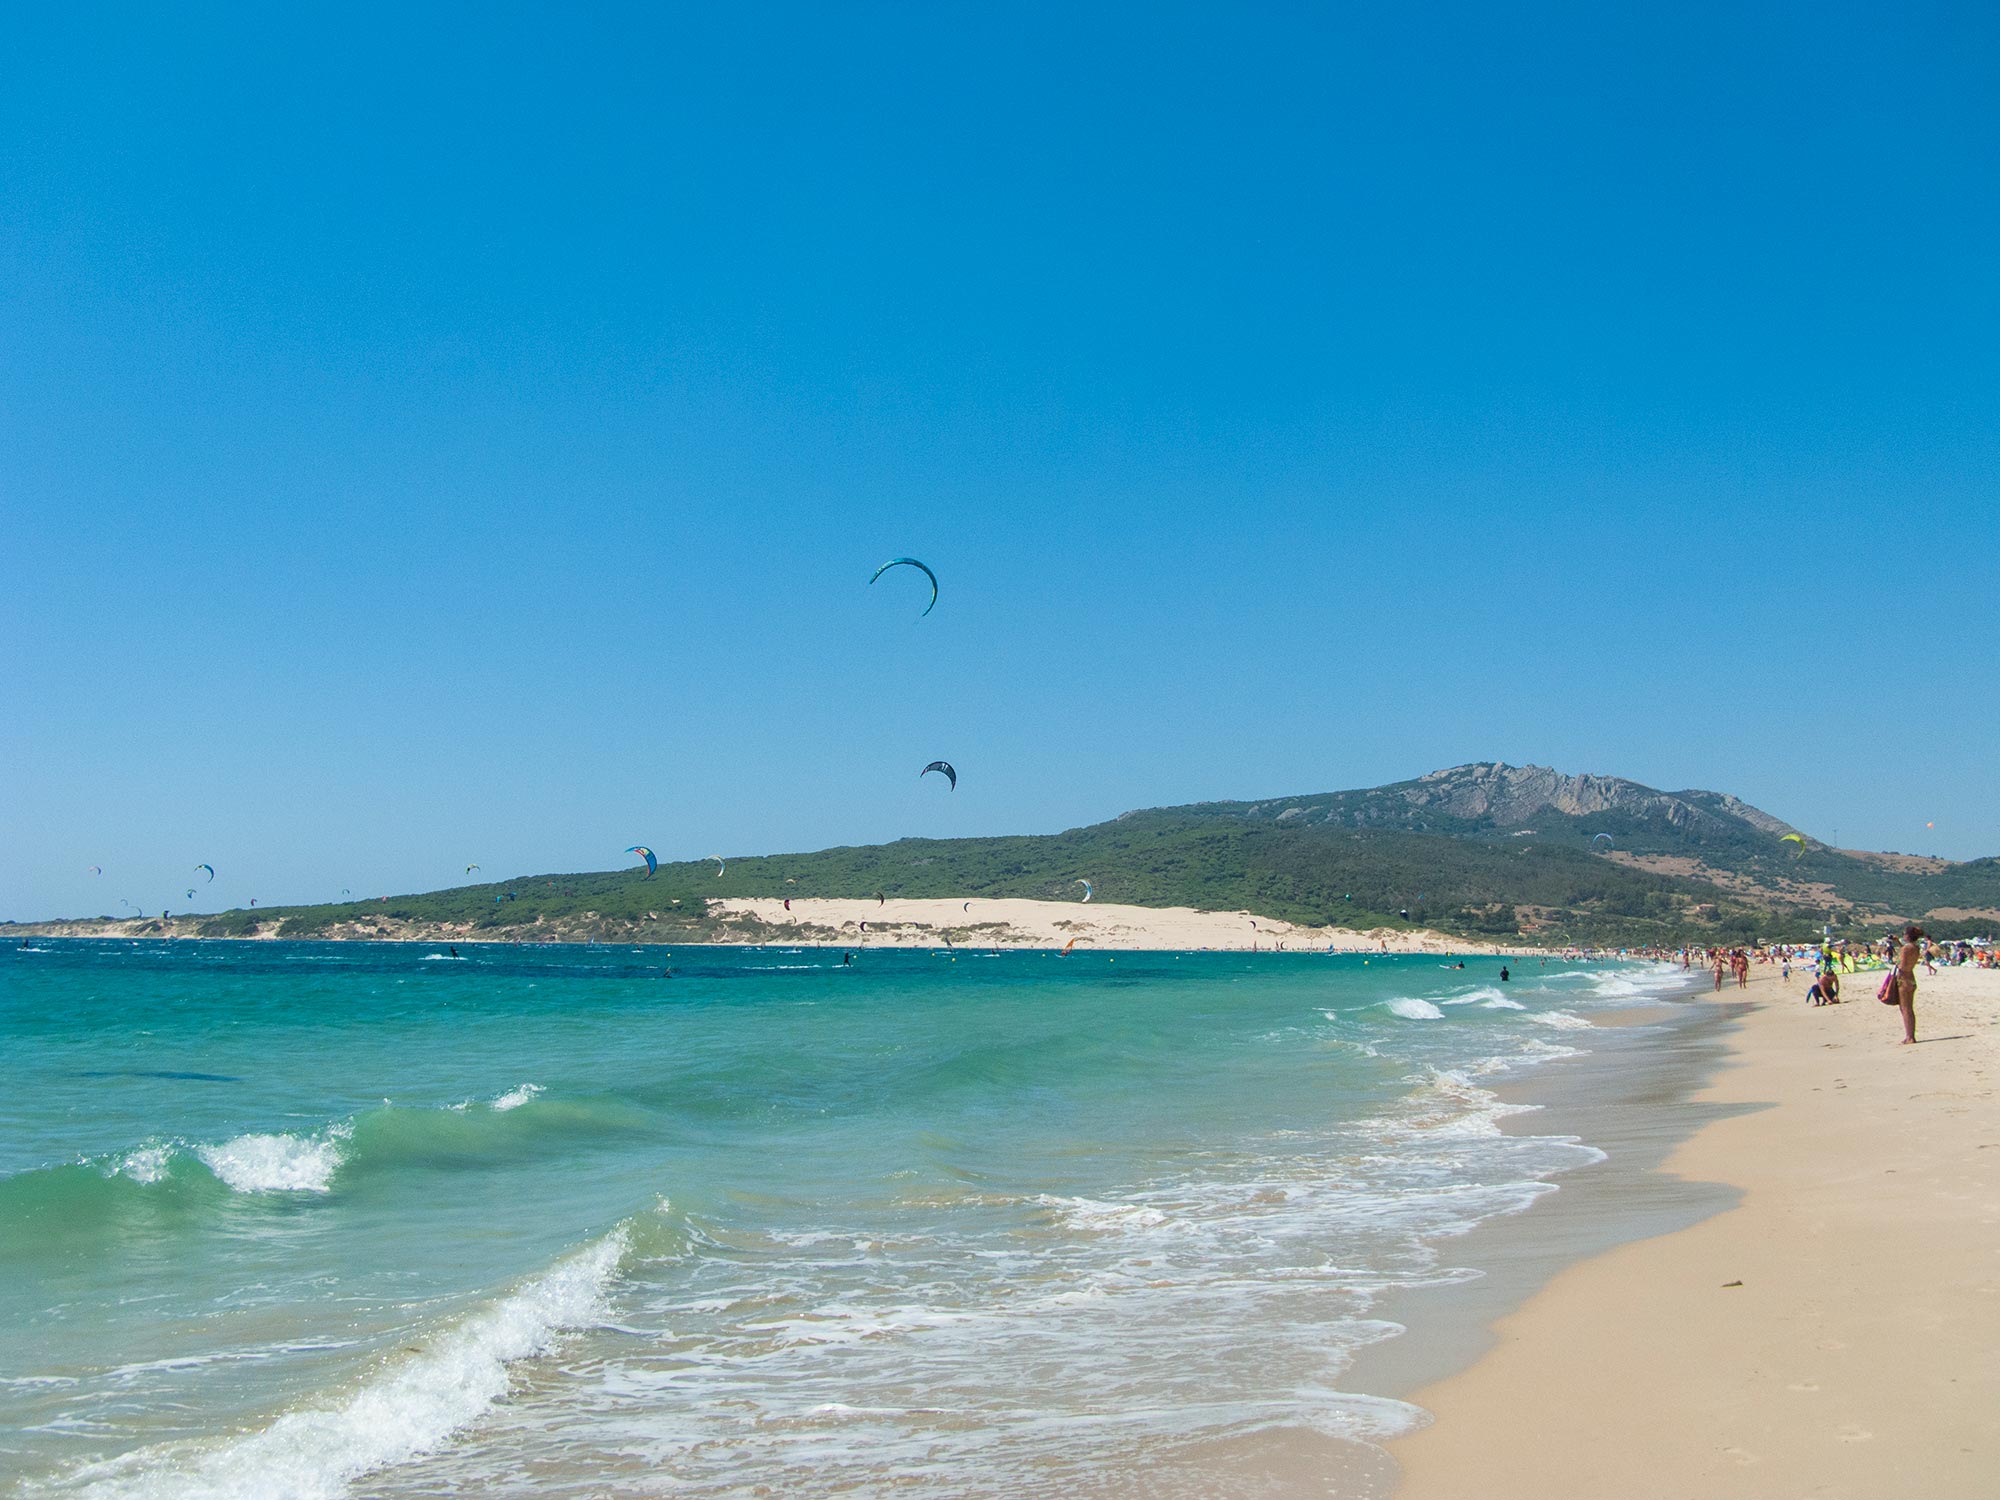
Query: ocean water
x=320 y=1220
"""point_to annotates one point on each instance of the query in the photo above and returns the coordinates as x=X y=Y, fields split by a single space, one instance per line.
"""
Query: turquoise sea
x=318 y=1220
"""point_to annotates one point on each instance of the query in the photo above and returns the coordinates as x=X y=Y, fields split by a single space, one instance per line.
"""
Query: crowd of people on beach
x=1896 y=955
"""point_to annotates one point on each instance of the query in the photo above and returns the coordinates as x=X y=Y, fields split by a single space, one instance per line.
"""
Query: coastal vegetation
x=1490 y=852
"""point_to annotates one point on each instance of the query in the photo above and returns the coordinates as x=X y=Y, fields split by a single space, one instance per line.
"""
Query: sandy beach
x=1053 y=924
x=1836 y=1334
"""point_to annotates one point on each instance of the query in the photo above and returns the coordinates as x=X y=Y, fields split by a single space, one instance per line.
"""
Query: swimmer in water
x=1503 y=973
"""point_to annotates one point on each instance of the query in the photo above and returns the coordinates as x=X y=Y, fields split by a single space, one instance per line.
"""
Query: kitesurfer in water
x=454 y=950
x=847 y=960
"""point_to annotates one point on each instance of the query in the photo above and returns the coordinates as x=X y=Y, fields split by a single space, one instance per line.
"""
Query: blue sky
x=426 y=441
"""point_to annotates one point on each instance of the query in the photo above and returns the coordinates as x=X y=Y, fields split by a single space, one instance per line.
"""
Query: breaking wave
x=400 y=1411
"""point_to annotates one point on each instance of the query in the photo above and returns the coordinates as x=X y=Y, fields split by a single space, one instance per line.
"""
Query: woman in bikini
x=1906 y=980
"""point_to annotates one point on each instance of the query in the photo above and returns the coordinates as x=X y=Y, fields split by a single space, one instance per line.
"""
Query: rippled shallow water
x=331 y=1219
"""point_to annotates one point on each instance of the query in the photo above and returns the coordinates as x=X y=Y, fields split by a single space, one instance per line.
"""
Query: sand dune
x=1051 y=924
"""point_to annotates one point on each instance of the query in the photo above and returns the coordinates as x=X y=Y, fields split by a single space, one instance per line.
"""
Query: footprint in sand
x=1803 y=1386
x=1742 y=1456
x=1855 y=1435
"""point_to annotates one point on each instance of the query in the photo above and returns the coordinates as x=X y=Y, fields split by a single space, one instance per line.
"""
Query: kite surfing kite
x=788 y=903
x=943 y=766
x=1795 y=838
x=719 y=865
x=880 y=899
x=96 y=870
x=1605 y=836
x=910 y=562
x=190 y=893
x=211 y=872
x=470 y=868
x=1087 y=891
x=345 y=891
x=253 y=900
x=652 y=864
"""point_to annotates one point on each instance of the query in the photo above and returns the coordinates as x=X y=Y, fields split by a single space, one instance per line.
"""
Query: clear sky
x=431 y=437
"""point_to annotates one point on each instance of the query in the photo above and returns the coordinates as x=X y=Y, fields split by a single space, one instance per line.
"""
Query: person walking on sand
x=1906 y=981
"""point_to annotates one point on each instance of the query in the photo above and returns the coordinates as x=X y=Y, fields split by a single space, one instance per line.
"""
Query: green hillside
x=1492 y=852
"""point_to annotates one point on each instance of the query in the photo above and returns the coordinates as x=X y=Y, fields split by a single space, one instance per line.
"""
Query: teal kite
x=211 y=872
x=910 y=562
x=652 y=864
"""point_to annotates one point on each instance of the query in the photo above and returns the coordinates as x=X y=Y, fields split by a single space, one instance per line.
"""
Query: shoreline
x=1833 y=1331
x=1635 y=1095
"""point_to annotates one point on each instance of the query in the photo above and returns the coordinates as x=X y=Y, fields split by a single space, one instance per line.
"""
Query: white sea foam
x=1092 y=1215
x=278 y=1163
x=1476 y=997
x=1412 y=1009
x=1533 y=1050
x=147 y=1164
x=1501 y=1002
x=1562 y=1020
x=515 y=1098
x=1450 y=1103
x=400 y=1412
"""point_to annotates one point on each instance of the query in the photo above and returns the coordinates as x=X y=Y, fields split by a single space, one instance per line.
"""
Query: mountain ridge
x=1484 y=850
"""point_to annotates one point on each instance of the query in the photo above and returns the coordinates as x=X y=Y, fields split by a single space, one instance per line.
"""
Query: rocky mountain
x=1492 y=799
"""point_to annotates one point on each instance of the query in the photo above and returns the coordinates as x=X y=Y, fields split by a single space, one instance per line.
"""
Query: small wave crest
x=1562 y=1020
x=400 y=1412
x=515 y=1098
x=1412 y=1009
x=273 y=1163
x=1475 y=997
